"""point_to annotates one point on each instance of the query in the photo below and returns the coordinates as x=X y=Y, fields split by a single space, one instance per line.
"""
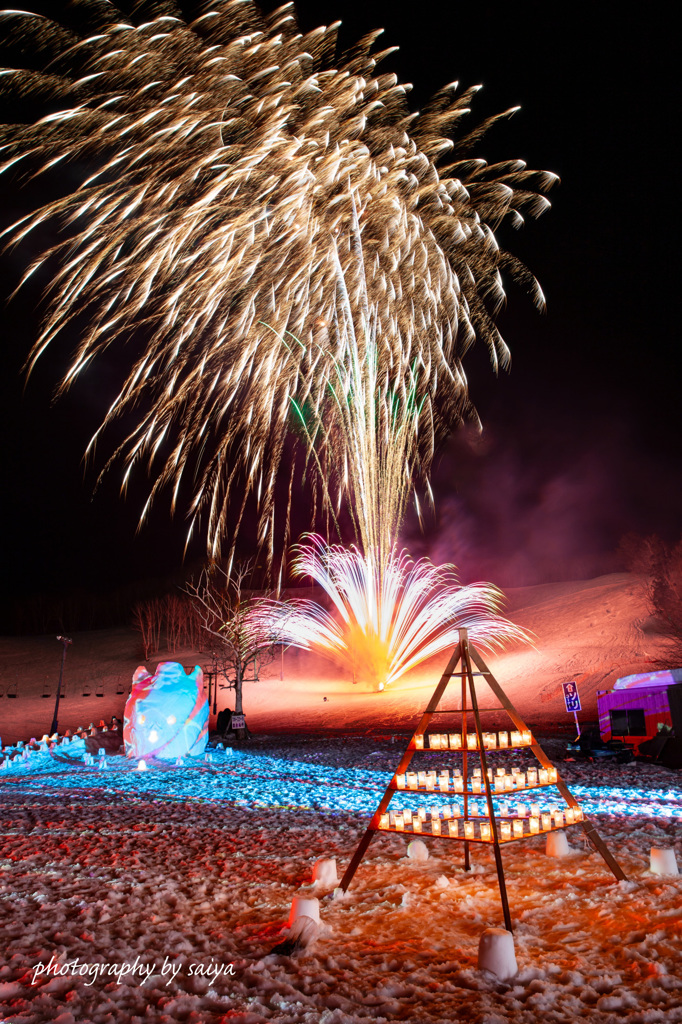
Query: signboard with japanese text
x=571 y=698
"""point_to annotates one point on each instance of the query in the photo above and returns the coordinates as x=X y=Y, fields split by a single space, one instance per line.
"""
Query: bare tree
x=661 y=564
x=240 y=628
x=147 y=620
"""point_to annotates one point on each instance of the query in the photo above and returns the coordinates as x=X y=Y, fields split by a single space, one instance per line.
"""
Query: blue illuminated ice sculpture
x=166 y=714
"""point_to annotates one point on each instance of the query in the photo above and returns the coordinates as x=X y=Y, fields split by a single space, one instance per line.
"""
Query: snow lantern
x=166 y=714
x=496 y=953
x=302 y=906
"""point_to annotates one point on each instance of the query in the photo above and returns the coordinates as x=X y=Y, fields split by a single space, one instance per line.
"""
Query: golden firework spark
x=227 y=158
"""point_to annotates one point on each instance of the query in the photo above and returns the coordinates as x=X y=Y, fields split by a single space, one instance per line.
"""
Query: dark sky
x=581 y=438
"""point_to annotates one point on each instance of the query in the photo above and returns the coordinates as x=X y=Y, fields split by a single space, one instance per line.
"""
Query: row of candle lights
x=540 y=822
x=491 y=740
x=502 y=782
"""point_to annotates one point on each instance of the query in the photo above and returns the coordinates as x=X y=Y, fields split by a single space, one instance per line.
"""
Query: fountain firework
x=388 y=622
x=227 y=158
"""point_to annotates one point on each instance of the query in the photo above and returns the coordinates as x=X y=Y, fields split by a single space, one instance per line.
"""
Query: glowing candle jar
x=430 y=781
x=400 y=781
x=520 y=780
x=503 y=740
x=459 y=785
x=508 y=783
x=477 y=772
x=407 y=816
x=499 y=784
x=535 y=810
x=578 y=814
x=486 y=832
x=434 y=741
x=543 y=777
x=472 y=741
x=546 y=821
x=516 y=739
x=532 y=777
x=421 y=814
x=518 y=828
x=412 y=780
x=444 y=780
x=399 y=822
x=446 y=811
x=455 y=741
x=534 y=824
x=499 y=771
x=468 y=830
x=553 y=775
x=505 y=830
x=504 y=810
x=384 y=821
x=570 y=816
x=416 y=825
x=476 y=785
x=521 y=810
x=558 y=819
x=453 y=827
x=443 y=741
x=489 y=740
x=490 y=774
x=526 y=738
x=422 y=778
x=419 y=742
x=435 y=826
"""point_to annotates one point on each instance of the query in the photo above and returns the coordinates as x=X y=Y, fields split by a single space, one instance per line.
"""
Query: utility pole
x=55 y=724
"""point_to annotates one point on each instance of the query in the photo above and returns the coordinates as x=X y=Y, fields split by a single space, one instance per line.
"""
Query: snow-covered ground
x=195 y=866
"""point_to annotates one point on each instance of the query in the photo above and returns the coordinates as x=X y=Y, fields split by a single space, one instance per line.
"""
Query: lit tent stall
x=645 y=711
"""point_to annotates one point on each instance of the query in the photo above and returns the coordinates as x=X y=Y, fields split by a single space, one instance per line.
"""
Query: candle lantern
x=481 y=790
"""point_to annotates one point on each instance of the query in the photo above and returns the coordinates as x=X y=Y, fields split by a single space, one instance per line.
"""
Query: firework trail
x=388 y=622
x=227 y=158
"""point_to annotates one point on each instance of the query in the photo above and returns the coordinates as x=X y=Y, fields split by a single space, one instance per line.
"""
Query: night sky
x=581 y=439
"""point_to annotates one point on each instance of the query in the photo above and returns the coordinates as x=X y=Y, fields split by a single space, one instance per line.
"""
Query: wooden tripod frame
x=460 y=665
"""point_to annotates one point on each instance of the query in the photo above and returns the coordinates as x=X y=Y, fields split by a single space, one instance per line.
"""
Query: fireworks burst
x=388 y=622
x=227 y=160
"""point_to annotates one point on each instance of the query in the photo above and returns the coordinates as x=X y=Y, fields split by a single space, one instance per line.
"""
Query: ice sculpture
x=166 y=714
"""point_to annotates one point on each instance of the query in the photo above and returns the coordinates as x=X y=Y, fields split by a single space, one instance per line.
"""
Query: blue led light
x=256 y=780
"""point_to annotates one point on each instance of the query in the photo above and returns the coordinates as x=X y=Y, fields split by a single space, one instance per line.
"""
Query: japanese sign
x=571 y=698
